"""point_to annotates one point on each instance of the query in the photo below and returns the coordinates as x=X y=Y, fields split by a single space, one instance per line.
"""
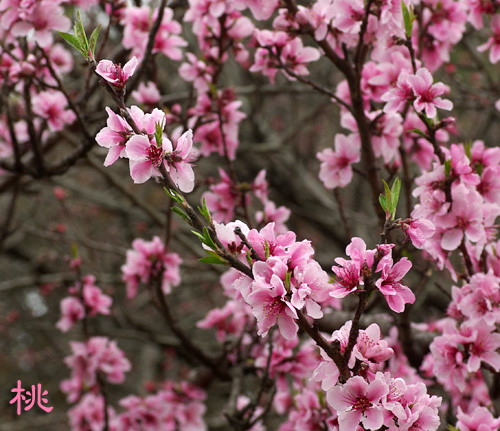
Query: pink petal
x=141 y=171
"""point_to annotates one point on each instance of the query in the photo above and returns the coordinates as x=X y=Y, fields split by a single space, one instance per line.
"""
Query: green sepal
x=213 y=260
x=181 y=213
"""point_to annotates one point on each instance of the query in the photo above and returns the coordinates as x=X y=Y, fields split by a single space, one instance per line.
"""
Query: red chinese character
x=29 y=399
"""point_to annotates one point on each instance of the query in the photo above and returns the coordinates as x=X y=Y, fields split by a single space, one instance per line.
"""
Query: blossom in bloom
x=465 y=218
x=49 y=105
x=147 y=260
x=268 y=300
x=88 y=413
x=114 y=136
x=72 y=311
x=359 y=402
x=493 y=43
x=147 y=94
x=95 y=301
x=335 y=170
x=427 y=94
x=114 y=73
x=396 y=294
x=480 y=419
x=418 y=230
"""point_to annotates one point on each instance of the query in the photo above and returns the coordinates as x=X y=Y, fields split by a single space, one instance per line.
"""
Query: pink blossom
x=95 y=301
x=88 y=413
x=49 y=105
x=43 y=17
x=480 y=419
x=358 y=402
x=493 y=43
x=272 y=214
x=335 y=170
x=465 y=218
x=147 y=94
x=395 y=293
x=114 y=74
x=418 y=230
x=146 y=261
x=427 y=94
x=72 y=310
x=270 y=305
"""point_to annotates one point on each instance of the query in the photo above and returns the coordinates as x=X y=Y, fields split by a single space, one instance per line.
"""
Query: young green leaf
x=158 y=134
x=181 y=213
x=408 y=18
x=80 y=33
x=213 y=260
x=383 y=202
x=388 y=197
x=395 y=190
x=208 y=239
x=72 y=40
x=447 y=168
x=93 y=39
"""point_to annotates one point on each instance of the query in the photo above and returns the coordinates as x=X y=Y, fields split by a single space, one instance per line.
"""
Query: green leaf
x=420 y=132
x=388 y=198
x=447 y=168
x=80 y=33
x=395 y=190
x=267 y=252
x=181 y=213
x=249 y=259
x=72 y=40
x=467 y=148
x=74 y=250
x=208 y=239
x=205 y=211
x=93 y=39
x=408 y=18
x=452 y=428
x=479 y=168
x=174 y=195
x=383 y=202
x=200 y=236
x=213 y=260
x=158 y=134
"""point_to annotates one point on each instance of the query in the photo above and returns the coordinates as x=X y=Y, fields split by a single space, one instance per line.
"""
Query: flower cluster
x=149 y=261
x=354 y=274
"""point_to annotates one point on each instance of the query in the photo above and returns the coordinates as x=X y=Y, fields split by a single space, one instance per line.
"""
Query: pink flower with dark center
x=49 y=105
x=359 y=402
x=480 y=419
x=114 y=74
x=72 y=310
x=335 y=170
x=418 y=230
x=427 y=94
x=270 y=305
x=493 y=43
x=396 y=294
